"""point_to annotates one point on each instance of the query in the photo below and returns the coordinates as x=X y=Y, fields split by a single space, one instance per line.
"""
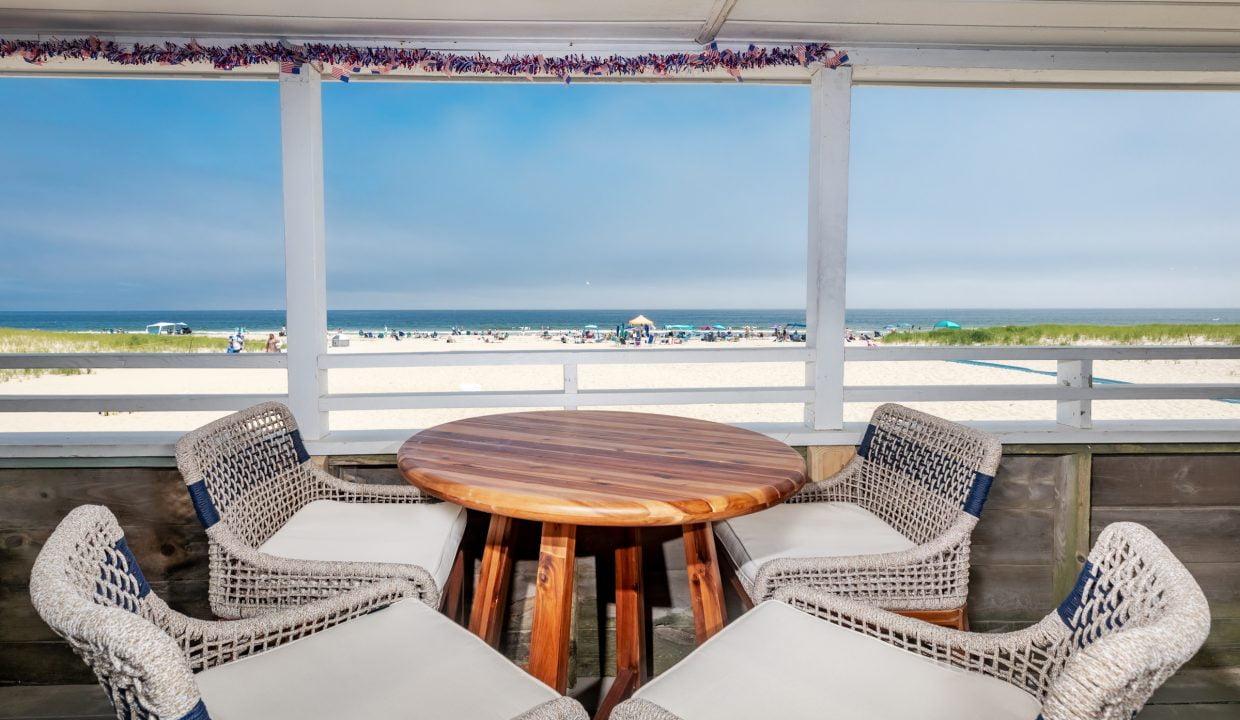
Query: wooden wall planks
x=153 y=507
x=1193 y=504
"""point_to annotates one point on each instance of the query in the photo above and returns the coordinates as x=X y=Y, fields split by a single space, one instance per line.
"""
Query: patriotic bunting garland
x=344 y=60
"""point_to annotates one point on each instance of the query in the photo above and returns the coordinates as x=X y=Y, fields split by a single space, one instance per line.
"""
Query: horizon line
x=625 y=309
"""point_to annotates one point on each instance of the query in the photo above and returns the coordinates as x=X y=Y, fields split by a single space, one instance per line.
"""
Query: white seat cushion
x=805 y=530
x=779 y=662
x=423 y=534
x=405 y=661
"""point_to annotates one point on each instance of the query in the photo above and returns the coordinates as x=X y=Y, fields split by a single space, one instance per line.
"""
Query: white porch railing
x=134 y=403
x=1072 y=389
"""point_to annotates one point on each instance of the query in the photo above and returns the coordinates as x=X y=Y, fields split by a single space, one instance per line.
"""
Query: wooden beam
x=997 y=66
x=1072 y=514
x=827 y=255
x=305 y=261
x=826 y=460
x=714 y=22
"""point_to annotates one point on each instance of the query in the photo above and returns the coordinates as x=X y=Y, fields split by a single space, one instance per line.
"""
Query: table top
x=602 y=467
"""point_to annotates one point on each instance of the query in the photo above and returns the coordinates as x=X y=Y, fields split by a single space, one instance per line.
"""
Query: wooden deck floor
x=1208 y=694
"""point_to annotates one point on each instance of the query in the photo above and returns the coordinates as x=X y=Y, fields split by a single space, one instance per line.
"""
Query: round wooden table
x=628 y=470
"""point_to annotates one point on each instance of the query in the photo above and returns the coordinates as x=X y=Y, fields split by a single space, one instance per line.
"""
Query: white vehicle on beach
x=168 y=328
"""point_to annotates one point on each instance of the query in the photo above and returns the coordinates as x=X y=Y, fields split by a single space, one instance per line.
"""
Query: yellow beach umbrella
x=641 y=320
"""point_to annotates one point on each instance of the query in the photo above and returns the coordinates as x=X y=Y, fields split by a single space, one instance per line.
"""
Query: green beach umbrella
x=947 y=324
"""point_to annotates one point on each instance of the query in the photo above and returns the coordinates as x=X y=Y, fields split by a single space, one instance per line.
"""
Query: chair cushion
x=405 y=661
x=805 y=530
x=779 y=662
x=423 y=534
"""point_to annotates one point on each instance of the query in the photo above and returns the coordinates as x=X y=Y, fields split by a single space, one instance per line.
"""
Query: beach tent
x=948 y=324
x=641 y=320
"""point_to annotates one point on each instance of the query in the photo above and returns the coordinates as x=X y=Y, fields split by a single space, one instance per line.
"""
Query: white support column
x=830 y=115
x=305 y=272
x=1075 y=374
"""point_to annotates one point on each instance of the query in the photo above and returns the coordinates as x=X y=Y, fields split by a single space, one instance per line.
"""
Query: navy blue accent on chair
x=977 y=494
x=122 y=547
x=203 y=507
x=1087 y=601
x=864 y=450
x=1067 y=609
x=198 y=712
x=299 y=446
x=896 y=449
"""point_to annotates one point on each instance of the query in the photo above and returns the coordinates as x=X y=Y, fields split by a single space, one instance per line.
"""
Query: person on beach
x=273 y=345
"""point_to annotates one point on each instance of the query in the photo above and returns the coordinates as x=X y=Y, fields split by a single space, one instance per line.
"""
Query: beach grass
x=13 y=340
x=1153 y=334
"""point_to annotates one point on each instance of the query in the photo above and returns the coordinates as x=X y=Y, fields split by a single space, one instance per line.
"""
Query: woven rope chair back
x=1133 y=618
x=919 y=472
x=246 y=470
x=87 y=586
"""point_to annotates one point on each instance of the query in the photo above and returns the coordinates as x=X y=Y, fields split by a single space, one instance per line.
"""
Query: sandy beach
x=596 y=377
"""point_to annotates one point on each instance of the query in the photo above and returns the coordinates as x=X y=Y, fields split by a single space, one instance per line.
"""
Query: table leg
x=630 y=623
x=553 y=606
x=705 y=588
x=491 y=593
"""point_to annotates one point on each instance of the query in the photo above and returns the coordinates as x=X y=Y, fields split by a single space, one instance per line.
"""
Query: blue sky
x=145 y=194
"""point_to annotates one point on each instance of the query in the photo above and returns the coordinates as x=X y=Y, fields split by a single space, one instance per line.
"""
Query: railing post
x=830 y=115
x=1074 y=374
x=305 y=272
x=570 y=386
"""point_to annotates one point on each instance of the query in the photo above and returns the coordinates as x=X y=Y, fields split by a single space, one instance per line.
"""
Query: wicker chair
x=1133 y=618
x=891 y=529
x=283 y=532
x=362 y=653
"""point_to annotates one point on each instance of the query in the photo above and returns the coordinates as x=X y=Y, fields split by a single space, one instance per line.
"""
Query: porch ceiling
x=1081 y=24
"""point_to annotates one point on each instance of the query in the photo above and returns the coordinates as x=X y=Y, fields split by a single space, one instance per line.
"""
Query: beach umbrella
x=718 y=327
x=591 y=327
x=641 y=320
x=947 y=324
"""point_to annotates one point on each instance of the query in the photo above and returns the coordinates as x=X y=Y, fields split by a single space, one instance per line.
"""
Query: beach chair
x=365 y=653
x=892 y=528
x=1133 y=618
x=284 y=532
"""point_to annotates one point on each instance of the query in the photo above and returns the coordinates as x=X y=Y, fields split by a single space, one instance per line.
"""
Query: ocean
x=353 y=320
